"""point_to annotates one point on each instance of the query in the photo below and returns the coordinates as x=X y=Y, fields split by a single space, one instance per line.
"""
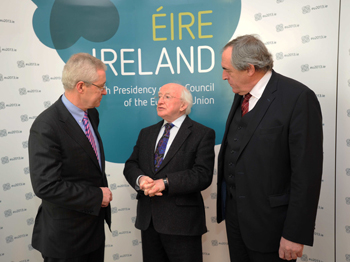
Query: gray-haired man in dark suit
x=67 y=170
x=270 y=161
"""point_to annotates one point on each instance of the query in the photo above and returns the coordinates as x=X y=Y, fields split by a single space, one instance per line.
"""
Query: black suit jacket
x=66 y=175
x=189 y=167
x=279 y=166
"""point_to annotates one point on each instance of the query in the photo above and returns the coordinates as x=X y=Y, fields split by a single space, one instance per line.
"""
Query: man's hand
x=156 y=189
x=146 y=183
x=107 y=196
x=290 y=250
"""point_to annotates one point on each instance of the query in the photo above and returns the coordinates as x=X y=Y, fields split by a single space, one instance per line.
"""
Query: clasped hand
x=151 y=187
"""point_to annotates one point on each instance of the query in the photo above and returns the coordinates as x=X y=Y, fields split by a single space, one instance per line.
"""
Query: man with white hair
x=171 y=164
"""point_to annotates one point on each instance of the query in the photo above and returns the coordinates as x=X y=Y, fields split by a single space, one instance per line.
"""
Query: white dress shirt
x=258 y=90
x=173 y=132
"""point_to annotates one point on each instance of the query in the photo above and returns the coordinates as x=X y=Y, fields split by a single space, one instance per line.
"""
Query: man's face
x=93 y=95
x=238 y=80
x=170 y=106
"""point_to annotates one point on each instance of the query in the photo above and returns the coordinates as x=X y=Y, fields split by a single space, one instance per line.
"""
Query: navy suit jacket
x=188 y=166
x=66 y=175
x=279 y=166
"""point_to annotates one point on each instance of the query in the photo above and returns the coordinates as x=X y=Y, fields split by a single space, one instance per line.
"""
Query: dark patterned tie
x=158 y=155
x=245 y=104
x=89 y=134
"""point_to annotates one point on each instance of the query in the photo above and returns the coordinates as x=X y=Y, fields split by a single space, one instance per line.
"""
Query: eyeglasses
x=102 y=88
x=165 y=97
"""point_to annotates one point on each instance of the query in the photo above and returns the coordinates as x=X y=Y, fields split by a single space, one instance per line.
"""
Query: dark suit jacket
x=279 y=166
x=189 y=167
x=66 y=175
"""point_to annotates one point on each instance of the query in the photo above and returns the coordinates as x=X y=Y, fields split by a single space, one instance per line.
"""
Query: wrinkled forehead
x=171 y=89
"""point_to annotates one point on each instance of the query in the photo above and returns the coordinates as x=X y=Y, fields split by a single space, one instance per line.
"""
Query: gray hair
x=186 y=96
x=248 y=49
x=81 y=67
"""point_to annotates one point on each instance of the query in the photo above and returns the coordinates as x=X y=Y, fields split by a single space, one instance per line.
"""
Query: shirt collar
x=178 y=122
x=76 y=112
x=259 y=88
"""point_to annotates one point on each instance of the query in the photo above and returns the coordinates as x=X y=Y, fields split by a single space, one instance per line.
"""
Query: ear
x=250 y=70
x=80 y=87
x=183 y=107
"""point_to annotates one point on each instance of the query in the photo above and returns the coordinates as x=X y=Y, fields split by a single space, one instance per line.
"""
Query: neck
x=170 y=120
x=256 y=78
x=74 y=99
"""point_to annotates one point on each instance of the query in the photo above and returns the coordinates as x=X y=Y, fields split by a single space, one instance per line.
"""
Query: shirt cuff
x=137 y=186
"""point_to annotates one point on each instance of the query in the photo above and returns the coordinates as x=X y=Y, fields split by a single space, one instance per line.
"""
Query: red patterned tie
x=245 y=104
x=89 y=134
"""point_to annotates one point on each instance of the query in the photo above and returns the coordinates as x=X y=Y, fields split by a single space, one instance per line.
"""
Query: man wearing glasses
x=67 y=168
x=171 y=164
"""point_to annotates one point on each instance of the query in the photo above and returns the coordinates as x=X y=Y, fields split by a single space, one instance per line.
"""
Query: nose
x=224 y=75
x=160 y=100
x=104 y=92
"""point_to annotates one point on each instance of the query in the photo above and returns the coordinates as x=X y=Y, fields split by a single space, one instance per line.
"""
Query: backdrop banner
x=146 y=44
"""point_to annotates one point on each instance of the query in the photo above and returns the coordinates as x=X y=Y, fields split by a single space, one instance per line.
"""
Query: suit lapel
x=260 y=110
x=180 y=138
x=72 y=129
